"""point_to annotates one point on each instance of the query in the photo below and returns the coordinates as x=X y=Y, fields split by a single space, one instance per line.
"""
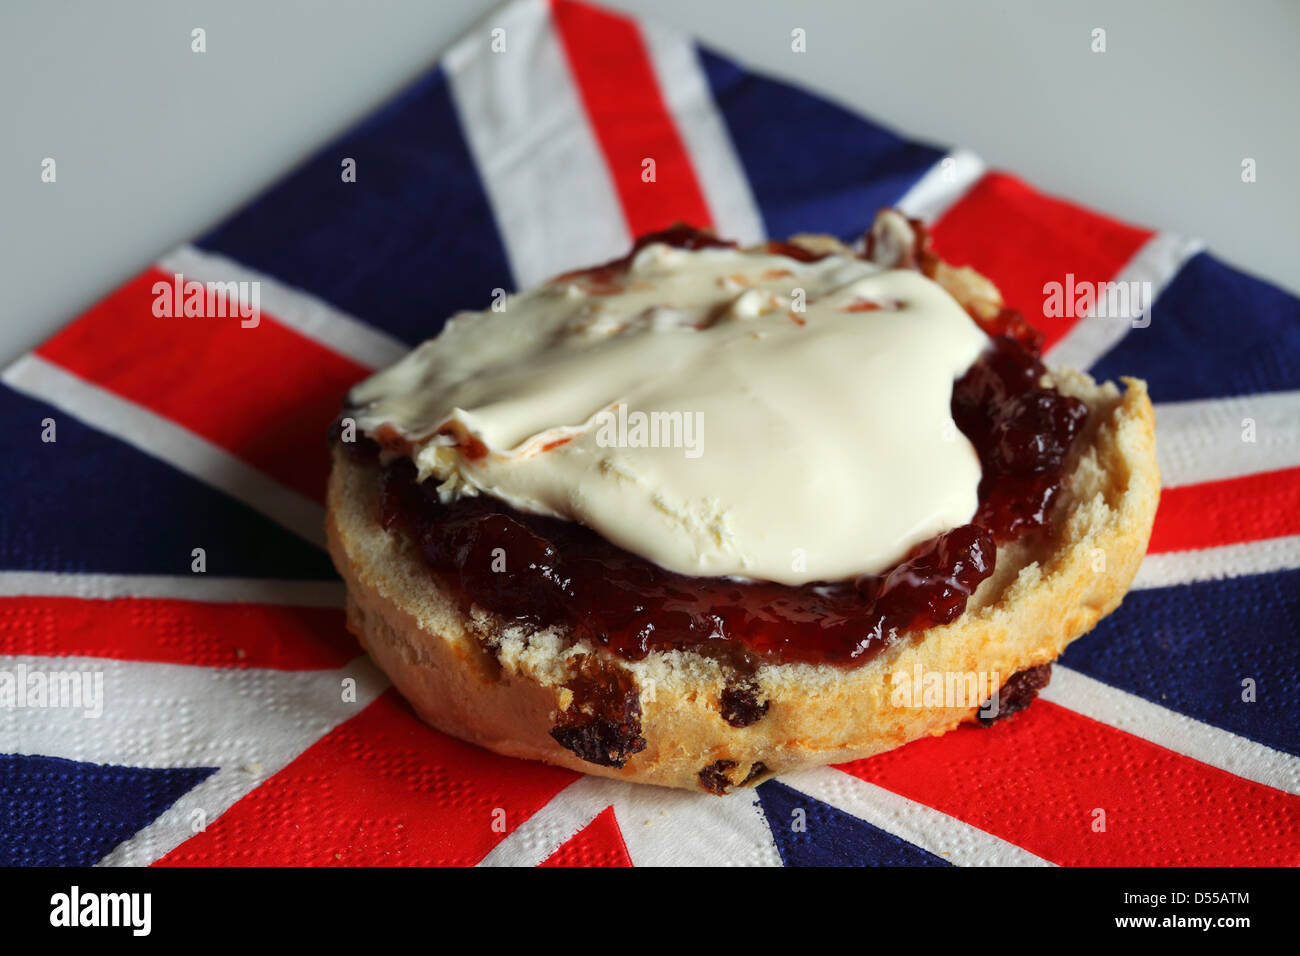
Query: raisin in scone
x=706 y=514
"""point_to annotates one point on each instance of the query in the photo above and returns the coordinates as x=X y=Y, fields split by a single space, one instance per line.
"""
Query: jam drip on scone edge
x=563 y=574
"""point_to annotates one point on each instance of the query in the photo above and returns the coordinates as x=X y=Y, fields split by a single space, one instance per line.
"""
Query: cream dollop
x=716 y=411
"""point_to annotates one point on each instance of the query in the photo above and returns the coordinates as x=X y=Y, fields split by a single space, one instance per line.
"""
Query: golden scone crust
x=504 y=687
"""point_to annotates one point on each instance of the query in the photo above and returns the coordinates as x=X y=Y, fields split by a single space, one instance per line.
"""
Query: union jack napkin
x=177 y=685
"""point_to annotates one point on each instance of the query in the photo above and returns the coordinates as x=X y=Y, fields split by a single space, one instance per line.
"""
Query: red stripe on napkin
x=266 y=394
x=1229 y=511
x=381 y=788
x=1038 y=780
x=599 y=843
x=1022 y=240
x=169 y=631
x=615 y=77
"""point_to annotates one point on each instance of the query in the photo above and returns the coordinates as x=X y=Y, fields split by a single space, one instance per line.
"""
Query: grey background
x=154 y=143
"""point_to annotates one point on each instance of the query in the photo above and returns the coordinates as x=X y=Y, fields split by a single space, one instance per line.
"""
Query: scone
x=707 y=514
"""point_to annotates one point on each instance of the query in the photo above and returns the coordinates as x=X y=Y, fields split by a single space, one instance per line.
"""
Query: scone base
x=504 y=687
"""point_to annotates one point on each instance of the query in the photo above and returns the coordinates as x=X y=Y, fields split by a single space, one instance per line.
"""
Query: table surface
x=154 y=143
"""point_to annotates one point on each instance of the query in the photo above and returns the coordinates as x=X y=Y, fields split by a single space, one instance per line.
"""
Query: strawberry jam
x=539 y=571
x=559 y=572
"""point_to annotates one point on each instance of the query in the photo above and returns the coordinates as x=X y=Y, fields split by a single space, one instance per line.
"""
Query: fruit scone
x=706 y=514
